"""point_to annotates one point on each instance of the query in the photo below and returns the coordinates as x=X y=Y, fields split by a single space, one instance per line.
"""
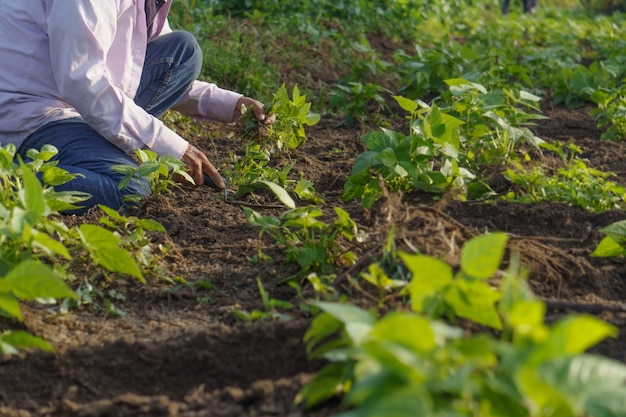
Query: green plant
x=614 y=243
x=158 y=171
x=610 y=112
x=271 y=308
x=291 y=115
x=575 y=184
x=358 y=102
x=28 y=280
x=448 y=144
x=287 y=130
x=37 y=249
x=135 y=238
x=314 y=244
x=30 y=238
x=412 y=363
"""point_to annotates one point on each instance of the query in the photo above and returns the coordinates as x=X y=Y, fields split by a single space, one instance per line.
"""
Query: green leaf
x=406 y=329
x=406 y=104
x=312 y=119
x=322 y=327
x=117 y=260
x=49 y=245
x=476 y=301
x=429 y=276
x=526 y=318
x=326 y=384
x=574 y=335
x=30 y=280
x=96 y=237
x=280 y=192
x=358 y=322
x=10 y=305
x=408 y=401
x=25 y=340
x=482 y=255
x=607 y=248
x=32 y=194
x=56 y=176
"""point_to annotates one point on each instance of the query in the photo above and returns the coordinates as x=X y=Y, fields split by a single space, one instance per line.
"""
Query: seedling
x=271 y=308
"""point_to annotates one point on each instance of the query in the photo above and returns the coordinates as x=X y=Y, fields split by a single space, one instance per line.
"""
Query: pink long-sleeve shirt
x=66 y=58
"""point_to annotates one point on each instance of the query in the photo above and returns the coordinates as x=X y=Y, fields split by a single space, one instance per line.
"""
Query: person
x=528 y=6
x=92 y=78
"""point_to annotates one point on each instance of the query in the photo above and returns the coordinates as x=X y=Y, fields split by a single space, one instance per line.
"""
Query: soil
x=182 y=352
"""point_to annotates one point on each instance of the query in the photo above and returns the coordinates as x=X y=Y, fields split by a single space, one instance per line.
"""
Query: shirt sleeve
x=79 y=62
x=206 y=101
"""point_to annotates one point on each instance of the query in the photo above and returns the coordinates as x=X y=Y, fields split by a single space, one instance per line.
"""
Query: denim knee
x=190 y=51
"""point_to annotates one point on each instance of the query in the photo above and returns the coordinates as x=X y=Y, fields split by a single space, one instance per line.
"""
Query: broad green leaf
x=429 y=276
x=44 y=154
x=56 y=176
x=574 y=335
x=358 y=322
x=25 y=340
x=408 y=330
x=363 y=163
x=606 y=402
x=383 y=369
x=482 y=255
x=117 y=260
x=479 y=349
x=408 y=401
x=114 y=214
x=616 y=231
x=32 y=194
x=584 y=375
x=49 y=245
x=543 y=396
x=406 y=104
x=476 y=301
x=312 y=119
x=96 y=237
x=525 y=95
x=526 y=318
x=264 y=222
x=280 y=193
x=150 y=225
x=323 y=326
x=310 y=256
x=326 y=384
x=345 y=222
x=10 y=305
x=30 y=280
x=379 y=140
x=387 y=157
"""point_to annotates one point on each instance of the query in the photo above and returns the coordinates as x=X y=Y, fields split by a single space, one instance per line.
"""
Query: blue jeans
x=173 y=62
x=528 y=5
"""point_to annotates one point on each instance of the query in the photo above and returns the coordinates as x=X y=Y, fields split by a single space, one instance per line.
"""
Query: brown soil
x=183 y=353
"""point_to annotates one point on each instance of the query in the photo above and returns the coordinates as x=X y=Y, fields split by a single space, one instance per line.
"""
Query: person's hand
x=197 y=163
x=252 y=104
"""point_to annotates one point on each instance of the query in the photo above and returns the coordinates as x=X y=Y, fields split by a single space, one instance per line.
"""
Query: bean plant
x=407 y=363
x=314 y=244
x=38 y=250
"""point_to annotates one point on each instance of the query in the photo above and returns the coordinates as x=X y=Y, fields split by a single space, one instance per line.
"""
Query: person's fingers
x=198 y=164
x=214 y=177
x=259 y=112
x=256 y=106
x=270 y=119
